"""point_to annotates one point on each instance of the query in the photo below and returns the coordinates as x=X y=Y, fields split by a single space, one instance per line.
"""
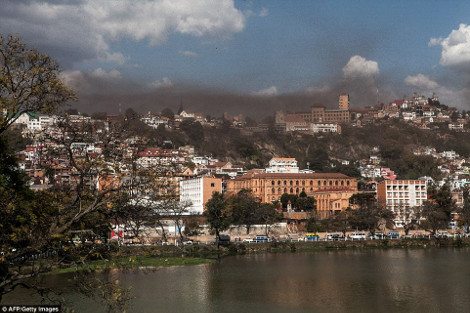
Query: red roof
x=294 y=176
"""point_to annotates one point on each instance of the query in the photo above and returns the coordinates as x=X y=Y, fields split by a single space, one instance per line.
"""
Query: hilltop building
x=318 y=119
x=282 y=165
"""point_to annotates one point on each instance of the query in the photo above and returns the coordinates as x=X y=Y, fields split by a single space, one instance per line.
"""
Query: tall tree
x=217 y=214
x=464 y=217
x=342 y=221
x=268 y=214
x=245 y=209
x=167 y=112
x=29 y=82
x=437 y=211
x=371 y=217
x=306 y=203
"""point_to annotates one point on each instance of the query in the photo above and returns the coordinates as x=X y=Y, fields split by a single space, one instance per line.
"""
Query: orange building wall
x=332 y=191
x=210 y=185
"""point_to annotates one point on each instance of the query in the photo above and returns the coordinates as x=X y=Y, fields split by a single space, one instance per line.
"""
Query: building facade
x=331 y=190
x=317 y=114
x=401 y=196
x=283 y=165
x=344 y=102
x=325 y=128
x=198 y=191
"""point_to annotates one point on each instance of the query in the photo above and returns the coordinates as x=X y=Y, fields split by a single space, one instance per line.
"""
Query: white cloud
x=456 y=47
x=188 y=53
x=84 y=29
x=358 y=66
x=421 y=81
x=264 y=12
x=271 y=91
x=115 y=57
x=164 y=83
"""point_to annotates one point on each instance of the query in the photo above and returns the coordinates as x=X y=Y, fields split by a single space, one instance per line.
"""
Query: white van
x=358 y=236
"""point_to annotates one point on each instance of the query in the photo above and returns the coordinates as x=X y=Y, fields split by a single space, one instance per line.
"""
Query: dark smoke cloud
x=217 y=102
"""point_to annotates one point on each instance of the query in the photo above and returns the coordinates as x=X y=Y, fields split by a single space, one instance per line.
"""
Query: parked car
x=358 y=236
x=248 y=240
x=393 y=235
x=223 y=240
x=187 y=242
x=376 y=236
x=312 y=237
x=334 y=237
x=452 y=225
x=444 y=234
x=261 y=238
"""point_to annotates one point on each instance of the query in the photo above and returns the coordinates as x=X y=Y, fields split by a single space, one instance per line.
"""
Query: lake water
x=394 y=280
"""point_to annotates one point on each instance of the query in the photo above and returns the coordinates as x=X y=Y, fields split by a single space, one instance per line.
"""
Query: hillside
x=393 y=141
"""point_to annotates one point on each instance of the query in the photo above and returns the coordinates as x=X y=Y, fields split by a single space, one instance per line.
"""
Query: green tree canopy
x=29 y=82
x=437 y=211
x=245 y=207
x=217 y=213
x=167 y=112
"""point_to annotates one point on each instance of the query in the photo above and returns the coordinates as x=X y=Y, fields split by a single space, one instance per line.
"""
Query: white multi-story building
x=325 y=128
x=282 y=165
x=450 y=155
x=198 y=191
x=456 y=126
x=401 y=197
x=154 y=121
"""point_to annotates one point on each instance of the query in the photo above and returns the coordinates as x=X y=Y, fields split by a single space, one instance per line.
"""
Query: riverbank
x=134 y=262
x=128 y=257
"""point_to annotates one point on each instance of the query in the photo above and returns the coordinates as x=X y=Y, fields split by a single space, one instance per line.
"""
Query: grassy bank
x=161 y=256
x=136 y=261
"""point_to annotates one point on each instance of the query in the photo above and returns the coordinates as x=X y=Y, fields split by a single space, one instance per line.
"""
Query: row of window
x=405 y=194
x=405 y=187
x=311 y=183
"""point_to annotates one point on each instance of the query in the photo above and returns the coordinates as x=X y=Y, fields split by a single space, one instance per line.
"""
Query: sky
x=249 y=56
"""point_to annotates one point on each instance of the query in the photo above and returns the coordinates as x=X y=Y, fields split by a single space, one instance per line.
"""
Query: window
x=212 y=185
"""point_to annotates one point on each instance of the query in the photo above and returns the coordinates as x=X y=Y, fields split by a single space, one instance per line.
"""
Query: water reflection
x=421 y=280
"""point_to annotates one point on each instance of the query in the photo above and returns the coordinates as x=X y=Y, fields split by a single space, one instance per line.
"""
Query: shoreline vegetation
x=153 y=257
